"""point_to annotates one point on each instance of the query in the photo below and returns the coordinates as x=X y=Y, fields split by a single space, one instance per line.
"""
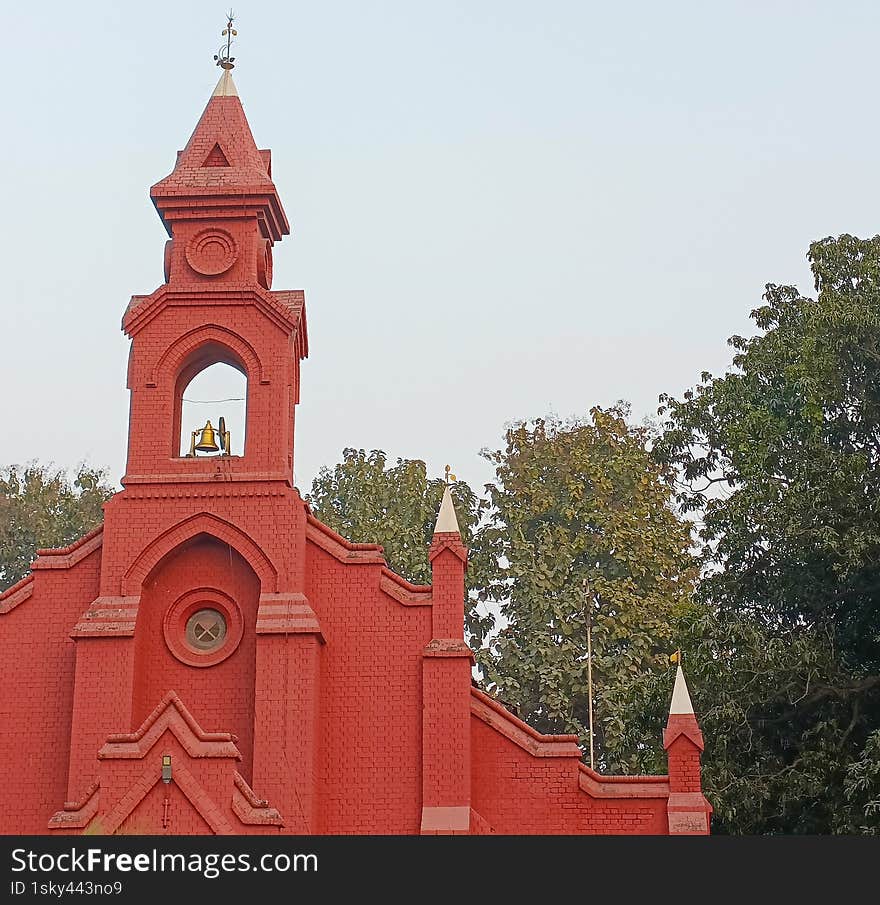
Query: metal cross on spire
x=223 y=58
x=449 y=476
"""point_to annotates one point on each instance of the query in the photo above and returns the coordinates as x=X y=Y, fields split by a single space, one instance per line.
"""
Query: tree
x=41 y=507
x=780 y=461
x=367 y=501
x=574 y=501
x=768 y=763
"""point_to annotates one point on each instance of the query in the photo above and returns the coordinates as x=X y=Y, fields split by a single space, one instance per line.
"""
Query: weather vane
x=449 y=476
x=223 y=57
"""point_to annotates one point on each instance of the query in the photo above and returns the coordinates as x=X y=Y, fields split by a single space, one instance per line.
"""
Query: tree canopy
x=780 y=461
x=575 y=502
x=41 y=507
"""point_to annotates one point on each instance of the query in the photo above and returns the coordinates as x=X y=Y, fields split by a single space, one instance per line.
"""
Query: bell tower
x=223 y=215
x=202 y=580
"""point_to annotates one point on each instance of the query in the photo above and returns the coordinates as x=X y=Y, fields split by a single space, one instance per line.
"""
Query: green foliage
x=773 y=727
x=40 y=507
x=780 y=460
x=862 y=785
x=576 y=501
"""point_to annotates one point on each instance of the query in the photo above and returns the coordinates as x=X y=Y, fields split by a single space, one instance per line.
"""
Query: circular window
x=211 y=252
x=206 y=629
x=203 y=627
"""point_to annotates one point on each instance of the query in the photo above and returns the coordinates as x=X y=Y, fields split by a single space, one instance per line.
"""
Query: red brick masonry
x=340 y=700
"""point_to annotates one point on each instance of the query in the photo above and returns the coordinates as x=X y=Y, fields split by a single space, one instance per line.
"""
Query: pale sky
x=499 y=209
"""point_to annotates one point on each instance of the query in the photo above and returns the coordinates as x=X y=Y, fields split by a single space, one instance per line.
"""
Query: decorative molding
x=16 y=594
x=170 y=714
x=175 y=620
x=404 y=591
x=285 y=309
x=108 y=617
x=65 y=557
x=249 y=809
x=183 y=346
x=448 y=647
x=499 y=718
x=343 y=550
x=188 y=785
x=77 y=814
x=338 y=547
x=192 y=526
x=447 y=540
x=598 y=786
x=209 y=483
x=688 y=814
x=287 y=614
x=211 y=251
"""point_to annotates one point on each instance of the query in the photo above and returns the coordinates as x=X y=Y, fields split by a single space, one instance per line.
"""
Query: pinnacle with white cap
x=225 y=86
x=681 y=699
x=447 y=523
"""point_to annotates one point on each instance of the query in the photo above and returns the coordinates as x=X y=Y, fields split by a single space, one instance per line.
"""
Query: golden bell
x=207 y=443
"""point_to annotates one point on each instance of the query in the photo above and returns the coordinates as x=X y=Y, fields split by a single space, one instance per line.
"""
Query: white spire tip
x=225 y=87
x=447 y=523
x=681 y=699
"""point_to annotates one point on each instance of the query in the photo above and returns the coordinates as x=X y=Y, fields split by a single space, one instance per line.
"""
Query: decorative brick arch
x=184 y=347
x=203 y=523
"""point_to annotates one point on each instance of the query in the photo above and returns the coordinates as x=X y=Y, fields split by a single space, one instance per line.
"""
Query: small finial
x=449 y=476
x=223 y=58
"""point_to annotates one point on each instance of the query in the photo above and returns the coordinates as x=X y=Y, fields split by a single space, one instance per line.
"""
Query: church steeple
x=221 y=209
x=222 y=176
x=221 y=163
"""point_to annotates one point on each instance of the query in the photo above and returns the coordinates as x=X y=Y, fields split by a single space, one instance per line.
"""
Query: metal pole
x=590 y=666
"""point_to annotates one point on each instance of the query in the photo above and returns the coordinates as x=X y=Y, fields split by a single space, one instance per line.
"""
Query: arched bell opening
x=210 y=414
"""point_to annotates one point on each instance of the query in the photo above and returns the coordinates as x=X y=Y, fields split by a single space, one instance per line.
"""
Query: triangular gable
x=216 y=158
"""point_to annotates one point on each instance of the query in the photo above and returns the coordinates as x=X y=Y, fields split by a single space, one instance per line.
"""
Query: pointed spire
x=222 y=123
x=681 y=699
x=682 y=719
x=221 y=160
x=447 y=523
x=225 y=86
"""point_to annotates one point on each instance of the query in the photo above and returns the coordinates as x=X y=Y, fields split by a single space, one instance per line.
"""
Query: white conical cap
x=681 y=700
x=225 y=87
x=447 y=523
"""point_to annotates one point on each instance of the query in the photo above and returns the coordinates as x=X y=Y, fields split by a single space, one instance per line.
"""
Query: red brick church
x=213 y=658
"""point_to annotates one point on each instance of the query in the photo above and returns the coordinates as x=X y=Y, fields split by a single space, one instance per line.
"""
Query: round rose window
x=206 y=629
x=203 y=627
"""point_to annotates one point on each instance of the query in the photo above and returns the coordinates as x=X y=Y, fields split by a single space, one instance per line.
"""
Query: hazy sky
x=499 y=209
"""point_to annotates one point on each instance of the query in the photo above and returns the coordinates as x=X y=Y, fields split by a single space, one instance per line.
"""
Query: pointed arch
x=195 y=351
x=243 y=354
x=203 y=523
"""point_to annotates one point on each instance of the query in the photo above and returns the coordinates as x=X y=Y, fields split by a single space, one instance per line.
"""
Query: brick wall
x=36 y=674
x=347 y=702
